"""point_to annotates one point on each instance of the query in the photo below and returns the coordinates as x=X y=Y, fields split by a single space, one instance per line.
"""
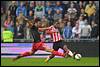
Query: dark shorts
x=57 y=45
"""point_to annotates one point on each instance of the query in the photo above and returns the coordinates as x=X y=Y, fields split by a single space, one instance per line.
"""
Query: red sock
x=25 y=54
x=57 y=53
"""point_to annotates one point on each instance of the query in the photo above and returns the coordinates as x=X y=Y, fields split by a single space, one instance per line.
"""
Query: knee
x=65 y=48
x=31 y=52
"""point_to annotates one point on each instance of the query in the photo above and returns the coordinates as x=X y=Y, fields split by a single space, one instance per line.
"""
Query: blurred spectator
x=81 y=22
x=61 y=26
x=90 y=9
x=39 y=10
x=67 y=31
x=86 y=31
x=3 y=16
x=31 y=16
x=48 y=7
x=2 y=11
x=97 y=17
x=64 y=9
x=98 y=37
x=9 y=24
x=57 y=15
x=66 y=6
x=81 y=4
x=44 y=18
x=22 y=9
x=21 y=19
x=13 y=8
x=27 y=33
x=18 y=3
x=27 y=6
x=32 y=5
x=8 y=14
x=44 y=22
x=7 y=35
x=97 y=5
x=50 y=17
x=95 y=30
x=84 y=14
x=19 y=31
x=76 y=31
x=72 y=12
x=65 y=17
x=61 y=22
x=58 y=7
x=42 y=3
x=94 y=16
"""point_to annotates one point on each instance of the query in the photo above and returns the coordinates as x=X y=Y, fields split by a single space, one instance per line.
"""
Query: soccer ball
x=78 y=56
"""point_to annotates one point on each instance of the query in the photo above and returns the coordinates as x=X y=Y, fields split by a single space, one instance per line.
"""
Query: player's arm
x=51 y=31
x=31 y=23
x=43 y=29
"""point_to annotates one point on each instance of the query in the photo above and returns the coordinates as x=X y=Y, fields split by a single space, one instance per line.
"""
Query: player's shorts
x=38 y=46
x=57 y=45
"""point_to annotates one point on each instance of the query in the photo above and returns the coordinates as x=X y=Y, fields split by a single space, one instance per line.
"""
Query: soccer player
x=57 y=41
x=38 y=44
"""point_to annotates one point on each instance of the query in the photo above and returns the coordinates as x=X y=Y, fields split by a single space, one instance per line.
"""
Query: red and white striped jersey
x=55 y=34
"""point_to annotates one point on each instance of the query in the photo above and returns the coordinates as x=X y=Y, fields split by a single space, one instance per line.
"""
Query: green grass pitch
x=85 y=61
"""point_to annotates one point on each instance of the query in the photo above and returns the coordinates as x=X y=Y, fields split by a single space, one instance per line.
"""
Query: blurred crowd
x=78 y=19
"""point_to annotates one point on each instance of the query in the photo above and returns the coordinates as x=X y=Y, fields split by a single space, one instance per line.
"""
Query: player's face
x=39 y=24
x=56 y=25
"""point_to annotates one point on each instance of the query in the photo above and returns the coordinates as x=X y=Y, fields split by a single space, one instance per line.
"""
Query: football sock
x=58 y=53
x=25 y=54
x=70 y=53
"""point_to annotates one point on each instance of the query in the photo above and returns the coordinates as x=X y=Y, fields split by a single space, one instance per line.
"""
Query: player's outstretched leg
x=49 y=58
x=23 y=55
x=69 y=52
x=54 y=53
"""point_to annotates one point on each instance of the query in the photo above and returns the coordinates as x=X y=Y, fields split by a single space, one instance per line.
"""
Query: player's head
x=38 y=23
x=56 y=24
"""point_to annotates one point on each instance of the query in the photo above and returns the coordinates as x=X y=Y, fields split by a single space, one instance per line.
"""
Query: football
x=78 y=56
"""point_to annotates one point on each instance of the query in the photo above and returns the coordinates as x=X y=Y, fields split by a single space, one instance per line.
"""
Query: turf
x=85 y=61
